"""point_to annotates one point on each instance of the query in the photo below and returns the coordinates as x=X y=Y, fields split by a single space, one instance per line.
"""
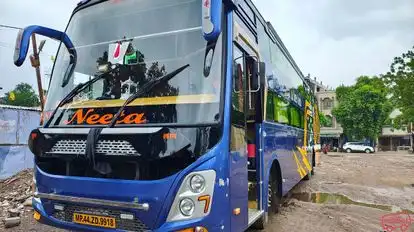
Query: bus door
x=238 y=145
x=245 y=171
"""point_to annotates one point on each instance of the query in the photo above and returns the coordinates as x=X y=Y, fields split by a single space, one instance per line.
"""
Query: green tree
x=322 y=119
x=342 y=91
x=363 y=108
x=22 y=95
x=400 y=81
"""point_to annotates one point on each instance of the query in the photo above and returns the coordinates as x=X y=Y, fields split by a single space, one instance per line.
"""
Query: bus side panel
x=238 y=180
x=280 y=142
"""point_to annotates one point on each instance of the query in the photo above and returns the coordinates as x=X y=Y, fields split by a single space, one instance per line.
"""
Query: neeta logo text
x=93 y=118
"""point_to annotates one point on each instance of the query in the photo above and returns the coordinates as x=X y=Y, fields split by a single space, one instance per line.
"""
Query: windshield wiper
x=80 y=87
x=145 y=89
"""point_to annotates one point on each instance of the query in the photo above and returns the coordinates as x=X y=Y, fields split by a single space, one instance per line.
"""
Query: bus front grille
x=109 y=147
x=123 y=224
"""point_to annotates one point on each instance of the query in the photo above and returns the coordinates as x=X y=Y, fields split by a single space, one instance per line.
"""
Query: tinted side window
x=264 y=46
x=281 y=109
x=270 y=106
x=238 y=91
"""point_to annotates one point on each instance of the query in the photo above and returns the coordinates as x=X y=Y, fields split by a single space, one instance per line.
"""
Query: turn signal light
x=196 y=229
x=206 y=200
x=36 y=141
x=36 y=215
x=169 y=136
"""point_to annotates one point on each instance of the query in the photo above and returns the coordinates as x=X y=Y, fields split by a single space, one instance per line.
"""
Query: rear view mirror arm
x=23 y=42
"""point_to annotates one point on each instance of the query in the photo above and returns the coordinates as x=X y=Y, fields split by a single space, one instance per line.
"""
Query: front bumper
x=112 y=197
x=172 y=226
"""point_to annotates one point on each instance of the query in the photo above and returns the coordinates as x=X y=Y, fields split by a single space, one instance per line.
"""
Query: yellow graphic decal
x=302 y=150
x=300 y=169
x=169 y=100
x=305 y=158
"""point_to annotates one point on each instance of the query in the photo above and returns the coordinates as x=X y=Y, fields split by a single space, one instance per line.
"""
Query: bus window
x=295 y=117
x=238 y=87
x=281 y=114
x=270 y=106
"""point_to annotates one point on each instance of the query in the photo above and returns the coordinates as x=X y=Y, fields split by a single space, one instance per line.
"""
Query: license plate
x=93 y=220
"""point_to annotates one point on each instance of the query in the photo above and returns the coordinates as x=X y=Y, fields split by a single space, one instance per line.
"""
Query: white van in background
x=357 y=147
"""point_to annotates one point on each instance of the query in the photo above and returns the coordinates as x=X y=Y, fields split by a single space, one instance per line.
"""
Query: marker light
x=36 y=215
x=187 y=207
x=197 y=183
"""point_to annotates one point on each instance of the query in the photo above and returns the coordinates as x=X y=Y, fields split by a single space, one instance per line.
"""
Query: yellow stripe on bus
x=300 y=169
x=305 y=158
x=169 y=100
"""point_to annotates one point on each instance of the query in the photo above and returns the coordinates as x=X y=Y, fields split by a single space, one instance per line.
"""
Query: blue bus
x=169 y=115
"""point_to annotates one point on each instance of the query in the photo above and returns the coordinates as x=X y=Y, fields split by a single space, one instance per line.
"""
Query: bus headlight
x=197 y=183
x=194 y=196
x=187 y=207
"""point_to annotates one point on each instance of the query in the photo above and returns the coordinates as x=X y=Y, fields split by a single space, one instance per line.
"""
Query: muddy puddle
x=339 y=199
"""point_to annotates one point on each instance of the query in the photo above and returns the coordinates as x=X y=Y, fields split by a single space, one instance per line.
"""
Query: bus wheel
x=273 y=203
x=313 y=163
x=274 y=199
x=307 y=177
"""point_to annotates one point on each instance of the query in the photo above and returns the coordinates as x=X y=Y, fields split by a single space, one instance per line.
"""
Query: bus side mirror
x=211 y=19
x=23 y=41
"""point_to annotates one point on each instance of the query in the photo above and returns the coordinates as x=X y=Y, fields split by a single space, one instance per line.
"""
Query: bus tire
x=308 y=176
x=273 y=202
x=313 y=163
x=274 y=199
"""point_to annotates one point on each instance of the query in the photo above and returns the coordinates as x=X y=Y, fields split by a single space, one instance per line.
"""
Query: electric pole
x=35 y=60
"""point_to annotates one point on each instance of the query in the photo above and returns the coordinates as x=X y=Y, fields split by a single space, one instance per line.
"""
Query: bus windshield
x=131 y=43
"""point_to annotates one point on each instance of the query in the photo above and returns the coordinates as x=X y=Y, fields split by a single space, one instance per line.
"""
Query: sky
x=334 y=40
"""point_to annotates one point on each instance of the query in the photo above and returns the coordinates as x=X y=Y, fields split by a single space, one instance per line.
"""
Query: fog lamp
x=187 y=207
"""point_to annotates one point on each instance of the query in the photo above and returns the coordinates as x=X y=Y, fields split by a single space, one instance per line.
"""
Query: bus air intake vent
x=108 y=147
x=122 y=224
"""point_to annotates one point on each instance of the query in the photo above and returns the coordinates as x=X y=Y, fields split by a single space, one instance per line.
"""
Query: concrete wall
x=15 y=126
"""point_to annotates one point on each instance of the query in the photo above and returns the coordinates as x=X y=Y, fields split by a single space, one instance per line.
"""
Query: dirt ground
x=349 y=192
x=373 y=185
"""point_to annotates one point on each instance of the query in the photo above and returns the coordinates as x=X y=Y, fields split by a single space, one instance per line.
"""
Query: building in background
x=392 y=139
x=331 y=132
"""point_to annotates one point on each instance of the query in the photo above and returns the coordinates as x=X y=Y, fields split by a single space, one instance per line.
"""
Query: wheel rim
x=269 y=197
